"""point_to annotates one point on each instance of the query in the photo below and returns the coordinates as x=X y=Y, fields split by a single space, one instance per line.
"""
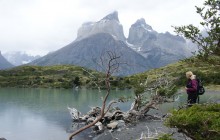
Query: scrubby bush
x=199 y=122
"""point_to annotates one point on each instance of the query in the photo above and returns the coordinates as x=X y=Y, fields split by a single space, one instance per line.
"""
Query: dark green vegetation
x=199 y=122
x=62 y=76
x=208 y=71
x=67 y=76
x=59 y=76
x=208 y=40
x=165 y=137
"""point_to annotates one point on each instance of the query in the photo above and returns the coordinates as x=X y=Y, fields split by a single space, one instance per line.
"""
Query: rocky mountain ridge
x=144 y=46
x=109 y=24
x=88 y=52
x=160 y=48
x=19 y=58
x=4 y=64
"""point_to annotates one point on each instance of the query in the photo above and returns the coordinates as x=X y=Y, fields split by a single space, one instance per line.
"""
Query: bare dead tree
x=112 y=66
x=152 y=85
x=139 y=108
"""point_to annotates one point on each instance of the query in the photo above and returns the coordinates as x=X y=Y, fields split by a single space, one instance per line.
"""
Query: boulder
x=100 y=126
x=121 y=124
x=112 y=125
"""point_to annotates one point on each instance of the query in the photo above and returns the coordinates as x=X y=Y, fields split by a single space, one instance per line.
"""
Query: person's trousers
x=192 y=97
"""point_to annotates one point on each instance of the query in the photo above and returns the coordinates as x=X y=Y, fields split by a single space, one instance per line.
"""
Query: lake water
x=41 y=114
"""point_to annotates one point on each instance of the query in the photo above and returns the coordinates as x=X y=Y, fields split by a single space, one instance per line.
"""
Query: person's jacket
x=191 y=85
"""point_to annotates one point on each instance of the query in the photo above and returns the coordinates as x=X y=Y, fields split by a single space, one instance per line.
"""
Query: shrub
x=199 y=122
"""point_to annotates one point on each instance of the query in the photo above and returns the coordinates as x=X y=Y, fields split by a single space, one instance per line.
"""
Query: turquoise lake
x=42 y=114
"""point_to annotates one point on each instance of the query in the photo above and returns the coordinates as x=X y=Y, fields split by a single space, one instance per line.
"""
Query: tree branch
x=110 y=69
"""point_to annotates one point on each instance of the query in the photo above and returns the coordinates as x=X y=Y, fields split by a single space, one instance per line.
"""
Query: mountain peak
x=141 y=23
x=4 y=64
x=139 y=32
x=112 y=16
x=109 y=24
x=17 y=58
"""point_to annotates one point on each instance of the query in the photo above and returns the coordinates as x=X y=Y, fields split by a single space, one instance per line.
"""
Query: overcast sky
x=41 y=26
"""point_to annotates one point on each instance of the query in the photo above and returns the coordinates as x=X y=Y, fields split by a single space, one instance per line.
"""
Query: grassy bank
x=68 y=76
x=60 y=76
x=208 y=71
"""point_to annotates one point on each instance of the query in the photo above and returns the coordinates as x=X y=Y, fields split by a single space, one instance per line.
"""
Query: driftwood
x=112 y=119
x=111 y=67
x=74 y=113
x=103 y=116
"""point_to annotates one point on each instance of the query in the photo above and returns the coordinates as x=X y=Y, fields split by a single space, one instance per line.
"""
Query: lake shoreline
x=146 y=127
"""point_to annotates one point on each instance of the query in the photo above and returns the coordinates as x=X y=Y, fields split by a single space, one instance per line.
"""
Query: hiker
x=191 y=88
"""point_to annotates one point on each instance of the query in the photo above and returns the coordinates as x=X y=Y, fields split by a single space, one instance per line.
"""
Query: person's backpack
x=200 y=87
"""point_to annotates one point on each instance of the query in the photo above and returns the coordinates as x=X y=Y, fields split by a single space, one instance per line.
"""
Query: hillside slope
x=208 y=71
x=62 y=76
x=88 y=51
x=67 y=76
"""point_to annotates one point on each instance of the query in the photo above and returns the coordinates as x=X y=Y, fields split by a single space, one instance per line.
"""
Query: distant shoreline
x=213 y=87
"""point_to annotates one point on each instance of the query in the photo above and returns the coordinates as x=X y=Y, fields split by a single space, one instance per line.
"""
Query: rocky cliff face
x=139 y=32
x=144 y=49
x=87 y=52
x=160 y=48
x=4 y=64
x=109 y=24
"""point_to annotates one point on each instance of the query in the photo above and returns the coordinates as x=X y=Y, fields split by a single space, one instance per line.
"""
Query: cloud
x=40 y=26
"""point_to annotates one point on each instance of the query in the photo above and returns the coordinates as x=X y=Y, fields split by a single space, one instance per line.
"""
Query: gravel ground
x=148 y=129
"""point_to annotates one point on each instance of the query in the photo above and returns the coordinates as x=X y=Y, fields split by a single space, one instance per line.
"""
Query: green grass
x=60 y=76
x=208 y=71
x=63 y=76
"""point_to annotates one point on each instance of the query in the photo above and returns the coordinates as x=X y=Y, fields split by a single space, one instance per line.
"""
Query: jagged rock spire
x=141 y=23
x=112 y=16
x=140 y=31
x=109 y=24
